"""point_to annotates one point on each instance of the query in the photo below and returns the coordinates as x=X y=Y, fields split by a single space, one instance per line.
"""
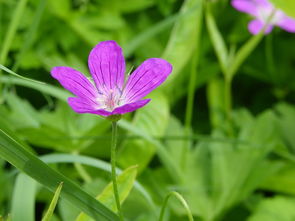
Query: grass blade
x=53 y=203
x=14 y=153
x=19 y=76
x=44 y=88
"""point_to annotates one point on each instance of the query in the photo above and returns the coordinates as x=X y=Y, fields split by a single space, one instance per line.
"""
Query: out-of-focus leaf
x=217 y=40
x=125 y=183
x=221 y=174
x=286 y=122
x=279 y=208
x=183 y=38
x=288 y=6
x=22 y=114
x=44 y=88
x=152 y=120
x=283 y=181
x=215 y=91
x=11 y=32
x=24 y=188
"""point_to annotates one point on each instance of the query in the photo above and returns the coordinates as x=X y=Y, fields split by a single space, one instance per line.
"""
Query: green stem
x=228 y=102
x=113 y=163
x=183 y=202
x=189 y=108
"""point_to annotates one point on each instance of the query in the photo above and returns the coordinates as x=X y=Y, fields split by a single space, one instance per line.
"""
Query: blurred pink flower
x=261 y=10
x=109 y=94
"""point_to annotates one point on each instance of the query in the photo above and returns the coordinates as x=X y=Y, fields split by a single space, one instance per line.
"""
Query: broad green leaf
x=22 y=114
x=125 y=183
x=14 y=153
x=49 y=213
x=278 y=208
x=283 y=181
x=24 y=188
x=221 y=174
x=288 y=6
x=217 y=40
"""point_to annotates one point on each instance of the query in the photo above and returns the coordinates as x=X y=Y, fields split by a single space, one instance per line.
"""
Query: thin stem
x=189 y=107
x=191 y=94
x=228 y=102
x=113 y=163
x=183 y=202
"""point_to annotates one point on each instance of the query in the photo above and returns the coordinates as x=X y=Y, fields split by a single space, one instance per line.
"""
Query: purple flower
x=262 y=10
x=107 y=93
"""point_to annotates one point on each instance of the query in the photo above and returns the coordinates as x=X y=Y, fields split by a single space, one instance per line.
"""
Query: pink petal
x=107 y=65
x=256 y=26
x=287 y=24
x=81 y=105
x=75 y=82
x=130 y=107
x=247 y=6
x=149 y=75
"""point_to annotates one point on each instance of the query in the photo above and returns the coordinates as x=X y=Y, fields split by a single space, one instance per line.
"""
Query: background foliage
x=220 y=131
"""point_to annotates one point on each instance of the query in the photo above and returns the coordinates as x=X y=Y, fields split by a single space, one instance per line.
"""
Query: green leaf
x=152 y=120
x=10 y=33
x=125 y=183
x=288 y=6
x=14 y=153
x=183 y=38
x=283 y=181
x=221 y=174
x=53 y=203
x=22 y=114
x=24 y=188
x=278 y=208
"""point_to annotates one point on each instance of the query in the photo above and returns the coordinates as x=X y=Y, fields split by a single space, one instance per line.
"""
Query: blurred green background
x=225 y=143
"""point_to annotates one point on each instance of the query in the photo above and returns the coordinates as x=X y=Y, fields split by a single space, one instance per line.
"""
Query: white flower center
x=110 y=99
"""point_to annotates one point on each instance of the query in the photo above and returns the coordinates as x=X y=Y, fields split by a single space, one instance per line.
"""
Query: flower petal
x=287 y=24
x=107 y=65
x=256 y=26
x=130 y=107
x=81 y=105
x=149 y=75
x=247 y=6
x=75 y=82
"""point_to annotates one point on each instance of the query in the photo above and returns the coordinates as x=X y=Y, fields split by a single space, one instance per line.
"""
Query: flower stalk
x=113 y=163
